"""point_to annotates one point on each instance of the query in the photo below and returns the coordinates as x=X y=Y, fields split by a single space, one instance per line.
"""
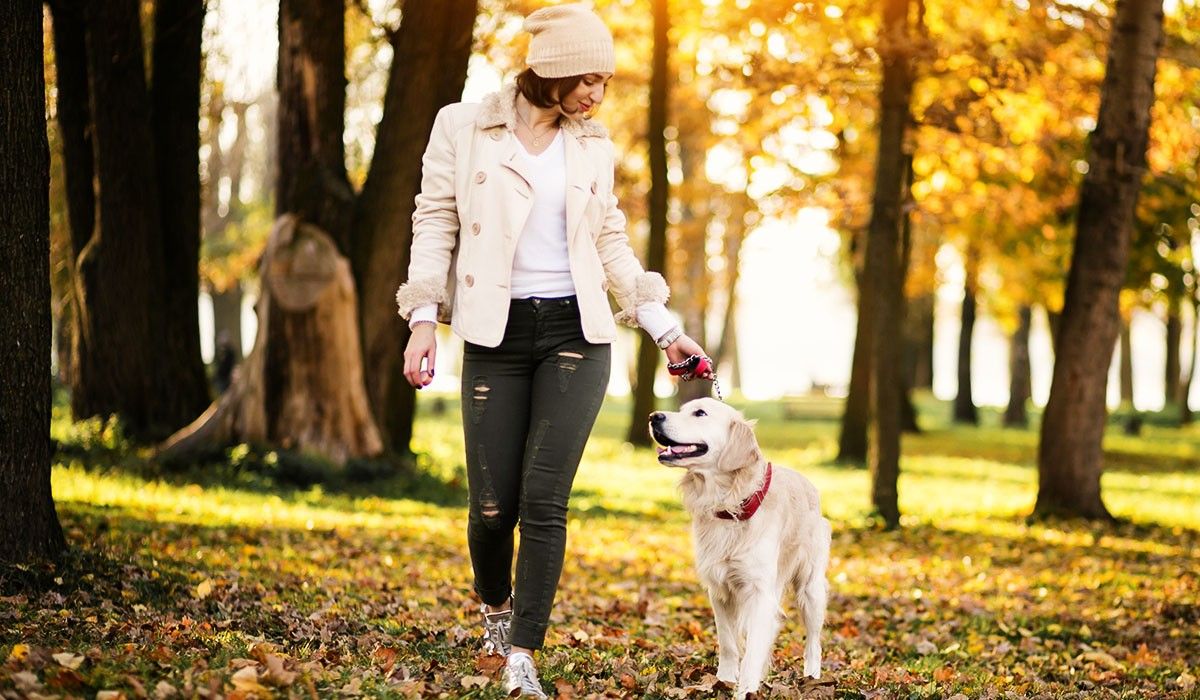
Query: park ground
x=232 y=581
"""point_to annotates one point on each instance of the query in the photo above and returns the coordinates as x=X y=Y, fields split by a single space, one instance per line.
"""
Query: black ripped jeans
x=528 y=407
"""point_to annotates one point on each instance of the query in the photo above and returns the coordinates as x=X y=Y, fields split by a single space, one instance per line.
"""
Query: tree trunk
x=1015 y=416
x=883 y=262
x=1174 y=335
x=735 y=233
x=856 y=413
x=908 y=410
x=29 y=528
x=1185 y=408
x=178 y=25
x=227 y=300
x=1126 y=365
x=918 y=322
x=429 y=68
x=1054 y=323
x=692 y=235
x=656 y=255
x=121 y=275
x=311 y=81
x=75 y=130
x=1070 y=454
x=301 y=387
x=964 y=403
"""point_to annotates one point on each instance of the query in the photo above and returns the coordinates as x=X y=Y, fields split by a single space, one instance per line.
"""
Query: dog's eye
x=699 y=412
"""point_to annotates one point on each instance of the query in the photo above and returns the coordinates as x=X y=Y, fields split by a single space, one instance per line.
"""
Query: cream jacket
x=475 y=197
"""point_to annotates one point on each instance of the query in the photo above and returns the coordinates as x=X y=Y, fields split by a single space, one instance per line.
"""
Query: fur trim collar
x=499 y=109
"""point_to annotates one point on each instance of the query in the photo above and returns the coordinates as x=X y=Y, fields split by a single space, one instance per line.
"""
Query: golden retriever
x=754 y=545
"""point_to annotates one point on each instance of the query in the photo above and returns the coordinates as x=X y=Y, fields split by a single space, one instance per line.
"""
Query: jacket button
x=495 y=135
x=480 y=177
x=475 y=228
x=593 y=187
x=469 y=280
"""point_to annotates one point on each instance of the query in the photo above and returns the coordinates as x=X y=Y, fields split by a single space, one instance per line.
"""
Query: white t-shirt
x=541 y=266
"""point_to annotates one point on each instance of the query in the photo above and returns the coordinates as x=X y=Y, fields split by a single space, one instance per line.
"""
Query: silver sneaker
x=497 y=628
x=520 y=677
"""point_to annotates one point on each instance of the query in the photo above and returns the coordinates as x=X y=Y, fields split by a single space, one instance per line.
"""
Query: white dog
x=758 y=533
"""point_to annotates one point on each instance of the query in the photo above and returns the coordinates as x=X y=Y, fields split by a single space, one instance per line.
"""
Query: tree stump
x=301 y=387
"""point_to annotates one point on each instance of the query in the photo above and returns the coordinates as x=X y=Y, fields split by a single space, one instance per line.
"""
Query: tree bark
x=1126 y=365
x=311 y=81
x=1185 y=408
x=918 y=321
x=1070 y=454
x=908 y=410
x=429 y=68
x=1172 y=374
x=301 y=387
x=883 y=260
x=656 y=254
x=121 y=275
x=735 y=231
x=1019 y=389
x=175 y=95
x=29 y=528
x=856 y=413
x=964 y=403
x=692 y=234
x=75 y=131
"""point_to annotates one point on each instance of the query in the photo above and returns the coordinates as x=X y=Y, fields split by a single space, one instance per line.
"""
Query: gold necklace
x=537 y=140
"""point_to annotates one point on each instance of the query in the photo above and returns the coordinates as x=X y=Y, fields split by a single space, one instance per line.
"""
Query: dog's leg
x=812 y=602
x=760 y=619
x=813 y=599
x=728 y=643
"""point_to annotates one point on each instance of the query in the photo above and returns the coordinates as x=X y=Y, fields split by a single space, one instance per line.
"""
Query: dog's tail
x=812 y=584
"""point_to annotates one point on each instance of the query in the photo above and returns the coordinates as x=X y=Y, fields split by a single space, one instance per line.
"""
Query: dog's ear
x=741 y=449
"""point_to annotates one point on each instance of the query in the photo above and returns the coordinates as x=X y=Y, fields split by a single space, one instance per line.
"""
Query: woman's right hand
x=422 y=344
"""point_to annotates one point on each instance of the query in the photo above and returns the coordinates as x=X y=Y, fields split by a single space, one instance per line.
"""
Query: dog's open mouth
x=670 y=449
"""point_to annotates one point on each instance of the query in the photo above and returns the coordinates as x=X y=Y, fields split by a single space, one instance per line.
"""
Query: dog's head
x=704 y=434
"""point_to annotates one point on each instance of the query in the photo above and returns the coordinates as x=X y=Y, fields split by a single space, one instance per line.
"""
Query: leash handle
x=694 y=365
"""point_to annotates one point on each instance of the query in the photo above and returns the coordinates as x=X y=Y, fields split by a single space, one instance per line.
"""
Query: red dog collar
x=751 y=504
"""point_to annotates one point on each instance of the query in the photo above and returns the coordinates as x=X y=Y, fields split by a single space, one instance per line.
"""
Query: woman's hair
x=545 y=92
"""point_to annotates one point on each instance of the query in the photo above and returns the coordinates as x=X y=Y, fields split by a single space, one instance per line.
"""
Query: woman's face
x=586 y=96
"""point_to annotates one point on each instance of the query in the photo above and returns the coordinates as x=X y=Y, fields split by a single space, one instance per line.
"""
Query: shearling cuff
x=416 y=293
x=651 y=288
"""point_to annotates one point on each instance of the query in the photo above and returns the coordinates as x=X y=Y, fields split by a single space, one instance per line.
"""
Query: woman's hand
x=683 y=348
x=422 y=344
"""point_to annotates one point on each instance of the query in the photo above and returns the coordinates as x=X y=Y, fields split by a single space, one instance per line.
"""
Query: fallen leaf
x=26 y=681
x=474 y=681
x=69 y=660
x=203 y=590
x=1104 y=659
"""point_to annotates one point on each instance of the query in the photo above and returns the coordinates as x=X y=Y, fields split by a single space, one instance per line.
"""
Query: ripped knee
x=490 y=513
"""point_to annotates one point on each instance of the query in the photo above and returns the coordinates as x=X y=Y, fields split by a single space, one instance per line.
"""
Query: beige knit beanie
x=568 y=40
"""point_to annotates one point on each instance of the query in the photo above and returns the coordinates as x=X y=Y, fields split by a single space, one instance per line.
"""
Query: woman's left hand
x=683 y=348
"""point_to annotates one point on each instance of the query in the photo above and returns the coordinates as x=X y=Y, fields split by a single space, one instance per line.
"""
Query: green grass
x=189 y=578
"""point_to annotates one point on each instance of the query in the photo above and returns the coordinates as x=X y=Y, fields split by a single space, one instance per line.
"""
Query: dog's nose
x=657 y=417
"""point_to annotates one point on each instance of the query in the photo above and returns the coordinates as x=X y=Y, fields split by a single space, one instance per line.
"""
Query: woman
x=517 y=239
